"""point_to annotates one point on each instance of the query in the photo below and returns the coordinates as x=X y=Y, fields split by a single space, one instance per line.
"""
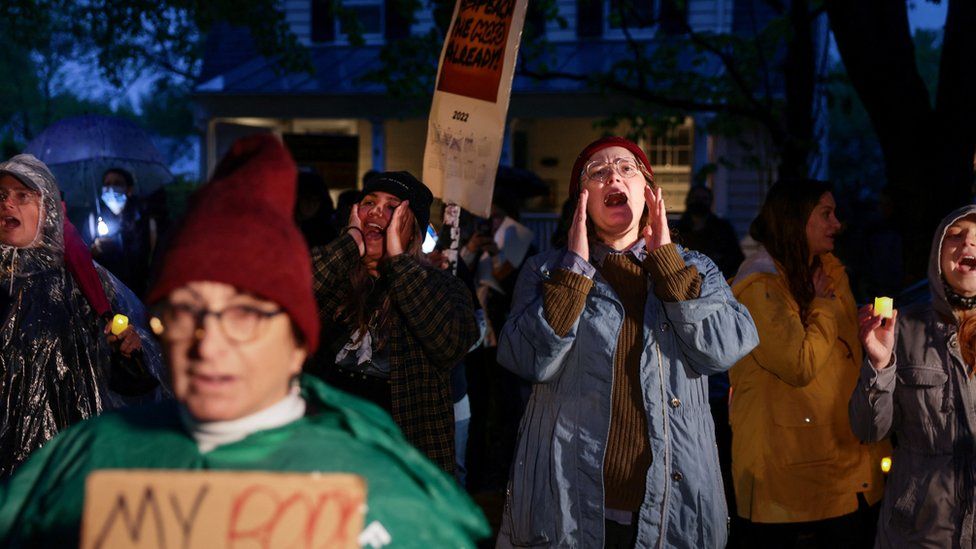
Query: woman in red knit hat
x=236 y=317
x=393 y=327
x=617 y=332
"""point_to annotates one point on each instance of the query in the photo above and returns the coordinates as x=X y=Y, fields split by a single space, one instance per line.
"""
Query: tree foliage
x=928 y=139
x=764 y=76
x=121 y=40
x=131 y=35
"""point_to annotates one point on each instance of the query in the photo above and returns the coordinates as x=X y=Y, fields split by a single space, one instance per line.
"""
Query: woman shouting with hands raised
x=617 y=332
x=392 y=326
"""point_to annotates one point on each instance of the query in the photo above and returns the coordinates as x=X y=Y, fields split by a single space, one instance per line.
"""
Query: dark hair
x=781 y=227
x=700 y=189
x=312 y=186
x=129 y=180
x=359 y=312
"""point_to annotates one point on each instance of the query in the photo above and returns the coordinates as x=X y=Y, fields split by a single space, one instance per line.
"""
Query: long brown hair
x=360 y=312
x=781 y=227
x=967 y=338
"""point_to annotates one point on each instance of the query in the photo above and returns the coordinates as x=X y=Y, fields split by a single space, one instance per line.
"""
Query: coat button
x=676 y=476
x=545 y=273
x=807 y=420
x=953 y=343
x=675 y=402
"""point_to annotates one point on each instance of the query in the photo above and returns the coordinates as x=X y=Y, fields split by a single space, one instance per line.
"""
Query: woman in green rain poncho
x=236 y=317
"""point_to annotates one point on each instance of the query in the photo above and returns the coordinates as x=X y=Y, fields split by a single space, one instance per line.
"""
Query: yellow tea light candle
x=885 y=464
x=882 y=307
x=119 y=324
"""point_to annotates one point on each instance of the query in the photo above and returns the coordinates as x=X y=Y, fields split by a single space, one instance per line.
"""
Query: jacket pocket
x=925 y=392
x=916 y=376
x=908 y=502
x=529 y=502
x=803 y=439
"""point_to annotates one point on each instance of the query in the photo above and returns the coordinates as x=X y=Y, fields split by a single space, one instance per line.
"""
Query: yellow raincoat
x=794 y=457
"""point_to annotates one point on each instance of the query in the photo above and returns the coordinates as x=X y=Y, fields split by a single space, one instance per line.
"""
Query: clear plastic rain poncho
x=56 y=366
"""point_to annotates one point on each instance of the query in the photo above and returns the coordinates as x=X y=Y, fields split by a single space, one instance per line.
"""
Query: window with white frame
x=672 y=157
x=673 y=148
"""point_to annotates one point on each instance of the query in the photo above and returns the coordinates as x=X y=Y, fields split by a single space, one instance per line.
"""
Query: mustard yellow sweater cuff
x=563 y=299
x=674 y=280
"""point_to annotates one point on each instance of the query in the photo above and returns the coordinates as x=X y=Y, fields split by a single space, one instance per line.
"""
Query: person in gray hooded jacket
x=57 y=362
x=917 y=383
x=618 y=332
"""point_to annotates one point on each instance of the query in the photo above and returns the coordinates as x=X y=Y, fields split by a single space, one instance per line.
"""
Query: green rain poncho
x=420 y=506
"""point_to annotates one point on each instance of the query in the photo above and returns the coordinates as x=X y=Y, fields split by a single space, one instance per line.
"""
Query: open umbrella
x=79 y=150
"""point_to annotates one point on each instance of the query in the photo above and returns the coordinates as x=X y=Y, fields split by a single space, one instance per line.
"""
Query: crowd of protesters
x=637 y=385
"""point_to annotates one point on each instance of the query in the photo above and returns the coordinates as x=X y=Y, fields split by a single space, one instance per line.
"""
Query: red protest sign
x=474 y=54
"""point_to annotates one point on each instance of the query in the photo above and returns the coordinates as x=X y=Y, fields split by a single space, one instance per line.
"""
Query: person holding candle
x=617 y=332
x=917 y=382
x=797 y=466
x=58 y=361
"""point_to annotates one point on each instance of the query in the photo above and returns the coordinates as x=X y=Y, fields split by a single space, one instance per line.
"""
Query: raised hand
x=357 y=229
x=877 y=337
x=823 y=285
x=656 y=232
x=400 y=225
x=577 y=238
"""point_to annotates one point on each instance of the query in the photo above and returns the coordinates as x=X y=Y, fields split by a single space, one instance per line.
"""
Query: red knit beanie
x=240 y=231
x=597 y=146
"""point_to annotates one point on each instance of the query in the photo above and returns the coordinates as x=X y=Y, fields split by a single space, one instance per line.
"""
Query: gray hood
x=939 y=302
x=47 y=249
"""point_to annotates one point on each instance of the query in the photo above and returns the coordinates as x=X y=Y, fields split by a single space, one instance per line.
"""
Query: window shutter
x=589 y=18
x=535 y=20
x=674 y=16
x=323 y=21
x=397 y=25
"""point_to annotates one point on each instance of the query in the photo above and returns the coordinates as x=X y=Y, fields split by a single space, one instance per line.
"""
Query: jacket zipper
x=606 y=440
x=667 y=446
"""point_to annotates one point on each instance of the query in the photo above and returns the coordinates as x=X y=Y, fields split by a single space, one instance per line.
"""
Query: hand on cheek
x=395 y=241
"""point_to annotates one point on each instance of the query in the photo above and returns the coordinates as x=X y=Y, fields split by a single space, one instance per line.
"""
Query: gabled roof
x=338 y=70
x=341 y=70
x=226 y=48
x=235 y=85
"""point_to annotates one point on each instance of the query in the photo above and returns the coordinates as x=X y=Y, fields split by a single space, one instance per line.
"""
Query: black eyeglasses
x=180 y=321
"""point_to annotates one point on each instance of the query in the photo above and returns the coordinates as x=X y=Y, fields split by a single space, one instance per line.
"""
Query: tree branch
x=737 y=77
x=645 y=94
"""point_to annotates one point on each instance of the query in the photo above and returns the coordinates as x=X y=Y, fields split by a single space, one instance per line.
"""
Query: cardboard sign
x=467 y=116
x=218 y=509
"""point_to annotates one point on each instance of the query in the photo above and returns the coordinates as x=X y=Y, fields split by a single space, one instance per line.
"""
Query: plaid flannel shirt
x=432 y=329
